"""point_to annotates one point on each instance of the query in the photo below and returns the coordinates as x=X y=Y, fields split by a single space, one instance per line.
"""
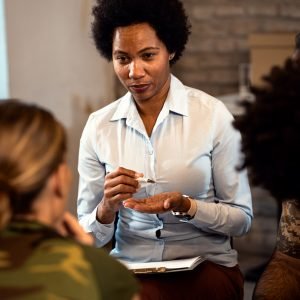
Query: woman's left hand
x=69 y=227
x=159 y=203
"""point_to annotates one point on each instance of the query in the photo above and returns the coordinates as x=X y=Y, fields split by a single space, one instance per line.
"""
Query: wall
x=219 y=40
x=53 y=62
x=3 y=55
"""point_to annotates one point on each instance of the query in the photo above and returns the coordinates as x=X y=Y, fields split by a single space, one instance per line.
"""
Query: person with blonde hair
x=44 y=253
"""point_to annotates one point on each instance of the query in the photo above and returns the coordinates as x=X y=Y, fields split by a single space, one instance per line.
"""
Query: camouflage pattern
x=281 y=278
x=37 y=263
x=288 y=239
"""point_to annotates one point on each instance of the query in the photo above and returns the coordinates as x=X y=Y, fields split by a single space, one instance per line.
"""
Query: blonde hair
x=32 y=145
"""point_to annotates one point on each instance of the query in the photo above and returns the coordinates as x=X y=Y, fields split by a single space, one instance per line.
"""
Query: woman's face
x=141 y=61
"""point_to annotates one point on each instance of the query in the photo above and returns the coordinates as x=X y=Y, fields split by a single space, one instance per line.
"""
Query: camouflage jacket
x=288 y=238
x=37 y=263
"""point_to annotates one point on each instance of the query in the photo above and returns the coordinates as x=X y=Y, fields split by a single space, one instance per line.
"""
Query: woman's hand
x=159 y=203
x=119 y=185
x=69 y=227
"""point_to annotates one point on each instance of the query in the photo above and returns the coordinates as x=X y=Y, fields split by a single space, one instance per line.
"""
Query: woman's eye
x=148 y=55
x=122 y=59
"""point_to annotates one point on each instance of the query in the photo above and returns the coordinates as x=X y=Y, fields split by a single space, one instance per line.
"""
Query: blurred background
x=47 y=56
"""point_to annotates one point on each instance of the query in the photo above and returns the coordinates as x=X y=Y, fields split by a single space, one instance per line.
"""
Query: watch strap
x=186 y=216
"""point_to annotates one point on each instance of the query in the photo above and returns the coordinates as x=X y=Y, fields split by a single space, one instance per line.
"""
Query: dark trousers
x=208 y=281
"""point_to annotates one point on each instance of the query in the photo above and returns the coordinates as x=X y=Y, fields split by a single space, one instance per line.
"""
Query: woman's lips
x=139 y=88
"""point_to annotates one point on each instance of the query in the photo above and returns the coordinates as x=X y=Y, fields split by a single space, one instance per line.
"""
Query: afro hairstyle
x=270 y=129
x=166 y=17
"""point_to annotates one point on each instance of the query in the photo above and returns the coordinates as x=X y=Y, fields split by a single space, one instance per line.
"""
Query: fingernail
x=137 y=175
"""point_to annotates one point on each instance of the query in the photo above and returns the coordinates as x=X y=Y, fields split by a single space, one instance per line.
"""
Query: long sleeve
x=90 y=190
x=230 y=212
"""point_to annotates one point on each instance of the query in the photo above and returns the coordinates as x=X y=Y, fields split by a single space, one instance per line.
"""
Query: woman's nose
x=136 y=70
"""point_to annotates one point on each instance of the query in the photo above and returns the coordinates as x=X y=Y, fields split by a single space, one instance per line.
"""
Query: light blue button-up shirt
x=193 y=149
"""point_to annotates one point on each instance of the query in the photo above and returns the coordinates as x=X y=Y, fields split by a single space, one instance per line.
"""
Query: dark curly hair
x=270 y=129
x=166 y=17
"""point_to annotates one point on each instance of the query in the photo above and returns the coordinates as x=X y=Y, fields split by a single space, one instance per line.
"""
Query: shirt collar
x=123 y=108
x=177 y=99
x=176 y=102
x=17 y=225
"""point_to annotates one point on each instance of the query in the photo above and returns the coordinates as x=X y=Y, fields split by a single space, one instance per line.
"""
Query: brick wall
x=219 y=39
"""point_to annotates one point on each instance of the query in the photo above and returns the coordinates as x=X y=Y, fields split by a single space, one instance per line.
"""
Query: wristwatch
x=183 y=216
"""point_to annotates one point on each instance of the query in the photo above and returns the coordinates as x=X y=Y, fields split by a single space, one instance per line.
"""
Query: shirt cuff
x=101 y=231
x=193 y=208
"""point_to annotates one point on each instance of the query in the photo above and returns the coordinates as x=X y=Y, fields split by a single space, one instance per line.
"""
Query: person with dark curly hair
x=270 y=129
x=163 y=157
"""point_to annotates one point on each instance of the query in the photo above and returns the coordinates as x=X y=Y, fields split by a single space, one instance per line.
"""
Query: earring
x=171 y=56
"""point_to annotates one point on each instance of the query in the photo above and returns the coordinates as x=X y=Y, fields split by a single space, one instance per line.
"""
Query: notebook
x=176 y=265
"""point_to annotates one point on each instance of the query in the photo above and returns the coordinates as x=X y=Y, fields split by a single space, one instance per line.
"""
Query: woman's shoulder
x=195 y=97
x=83 y=272
x=42 y=258
x=203 y=101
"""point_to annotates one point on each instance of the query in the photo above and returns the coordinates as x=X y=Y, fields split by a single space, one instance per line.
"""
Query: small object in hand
x=145 y=180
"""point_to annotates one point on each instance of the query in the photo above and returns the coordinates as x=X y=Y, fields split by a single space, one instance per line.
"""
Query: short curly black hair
x=166 y=17
x=270 y=129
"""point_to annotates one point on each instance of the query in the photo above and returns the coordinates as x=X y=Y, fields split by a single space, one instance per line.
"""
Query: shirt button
x=99 y=236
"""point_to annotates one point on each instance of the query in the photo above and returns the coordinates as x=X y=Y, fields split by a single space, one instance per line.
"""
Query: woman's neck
x=288 y=238
x=43 y=210
x=150 y=109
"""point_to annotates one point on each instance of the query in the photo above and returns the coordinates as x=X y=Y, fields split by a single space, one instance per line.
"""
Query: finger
x=144 y=205
x=139 y=207
x=60 y=228
x=123 y=171
x=63 y=227
x=131 y=203
x=167 y=204
x=121 y=180
x=75 y=230
x=72 y=224
x=120 y=198
x=119 y=190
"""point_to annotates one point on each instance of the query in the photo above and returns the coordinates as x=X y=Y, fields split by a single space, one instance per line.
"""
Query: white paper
x=164 y=266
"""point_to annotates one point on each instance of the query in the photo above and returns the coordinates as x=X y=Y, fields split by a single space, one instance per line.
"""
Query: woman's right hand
x=119 y=185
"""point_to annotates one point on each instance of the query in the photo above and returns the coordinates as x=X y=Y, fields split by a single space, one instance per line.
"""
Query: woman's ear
x=62 y=181
x=171 y=56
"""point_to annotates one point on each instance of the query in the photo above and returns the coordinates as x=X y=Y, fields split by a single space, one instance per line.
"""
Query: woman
x=181 y=140
x=42 y=247
x=270 y=128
